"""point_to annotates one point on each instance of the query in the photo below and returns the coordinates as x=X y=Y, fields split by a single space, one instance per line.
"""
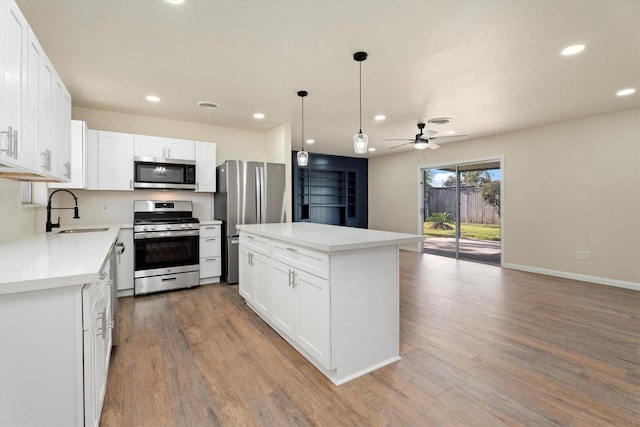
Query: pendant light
x=360 y=140
x=303 y=156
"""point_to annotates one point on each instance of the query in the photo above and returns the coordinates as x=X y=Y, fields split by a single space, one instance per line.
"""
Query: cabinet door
x=262 y=283
x=210 y=246
x=245 y=271
x=205 y=166
x=180 y=149
x=124 y=260
x=45 y=114
x=34 y=61
x=150 y=146
x=65 y=132
x=314 y=321
x=115 y=161
x=57 y=154
x=77 y=136
x=283 y=301
x=13 y=87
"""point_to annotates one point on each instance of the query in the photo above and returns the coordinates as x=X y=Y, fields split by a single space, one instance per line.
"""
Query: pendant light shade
x=360 y=140
x=303 y=156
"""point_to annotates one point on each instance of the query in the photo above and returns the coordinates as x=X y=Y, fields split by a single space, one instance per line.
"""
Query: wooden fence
x=473 y=209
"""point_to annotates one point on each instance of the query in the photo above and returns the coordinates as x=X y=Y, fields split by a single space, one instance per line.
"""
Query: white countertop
x=210 y=222
x=50 y=260
x=329 y=238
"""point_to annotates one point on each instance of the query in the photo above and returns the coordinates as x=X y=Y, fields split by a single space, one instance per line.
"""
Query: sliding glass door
x=461 y=206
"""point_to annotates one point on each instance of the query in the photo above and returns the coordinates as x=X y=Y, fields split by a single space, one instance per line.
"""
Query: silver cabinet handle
x=43 y=160
x=250 y=237
x=211 y=259
x=213 y=227
x=210 y=240
x=292 y=249
x=131 y=183
x=9 y=149
x=15 y=144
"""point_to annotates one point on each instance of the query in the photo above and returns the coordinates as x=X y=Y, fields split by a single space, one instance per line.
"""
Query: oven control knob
x=152 y=227
x=144 y=228
x=184 y=225
x=190 y=225
x=168 y=227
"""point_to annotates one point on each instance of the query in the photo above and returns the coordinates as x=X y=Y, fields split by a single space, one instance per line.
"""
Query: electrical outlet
x=583 y=255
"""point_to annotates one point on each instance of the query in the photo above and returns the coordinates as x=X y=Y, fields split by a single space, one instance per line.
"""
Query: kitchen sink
x=83 y=230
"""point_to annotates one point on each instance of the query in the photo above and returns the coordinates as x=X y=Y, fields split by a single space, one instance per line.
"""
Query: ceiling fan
x=426 y=139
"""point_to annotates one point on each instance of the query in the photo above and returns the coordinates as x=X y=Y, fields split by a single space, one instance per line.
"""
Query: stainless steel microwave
x=151 y=172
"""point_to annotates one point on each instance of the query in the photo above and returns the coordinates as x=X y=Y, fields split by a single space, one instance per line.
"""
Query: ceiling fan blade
x=406 y=143
x=397 y=139
x=432 y=145
x=427 y=134
x=449 y=138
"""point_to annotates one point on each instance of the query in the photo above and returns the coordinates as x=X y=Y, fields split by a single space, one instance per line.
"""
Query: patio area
x=487 y=251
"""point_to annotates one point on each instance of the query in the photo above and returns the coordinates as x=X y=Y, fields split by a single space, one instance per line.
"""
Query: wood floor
x=480 y=345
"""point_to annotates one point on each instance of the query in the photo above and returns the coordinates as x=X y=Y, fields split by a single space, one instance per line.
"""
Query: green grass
x=468 y=231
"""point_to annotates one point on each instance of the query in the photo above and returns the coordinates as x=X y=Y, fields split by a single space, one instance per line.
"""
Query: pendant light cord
x=302 y=123
x=360 y=62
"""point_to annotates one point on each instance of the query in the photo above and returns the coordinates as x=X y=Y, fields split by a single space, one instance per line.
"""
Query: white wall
x=569 y=186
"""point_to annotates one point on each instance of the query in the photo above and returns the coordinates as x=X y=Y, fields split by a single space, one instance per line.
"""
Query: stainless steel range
x=167 y=246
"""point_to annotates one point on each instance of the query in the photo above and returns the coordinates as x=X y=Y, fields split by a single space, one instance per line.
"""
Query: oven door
x=166 y=252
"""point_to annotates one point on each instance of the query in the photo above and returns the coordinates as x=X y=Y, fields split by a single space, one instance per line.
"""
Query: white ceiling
x=491 y=65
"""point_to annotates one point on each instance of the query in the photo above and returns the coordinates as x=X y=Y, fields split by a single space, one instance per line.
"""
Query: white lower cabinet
x=210 y=253
x=124 y=260
x=338 y=308
x=301 y=308
x=98 y=325
x=55 y=347
x=295 y=302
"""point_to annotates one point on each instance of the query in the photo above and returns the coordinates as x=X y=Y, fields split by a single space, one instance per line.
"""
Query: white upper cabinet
x=115 y=161
x=35 y=106
x=205 y=167
x=78 y=153
x=13 y=85
x=166 y=148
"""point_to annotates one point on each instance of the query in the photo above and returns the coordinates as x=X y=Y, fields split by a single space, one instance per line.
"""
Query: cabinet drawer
x=314 y=262
x=210 y=230
x=209 y=246
x=210 y=267
x=256 y=243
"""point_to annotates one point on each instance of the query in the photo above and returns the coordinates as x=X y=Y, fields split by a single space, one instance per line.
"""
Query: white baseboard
x=574 y=276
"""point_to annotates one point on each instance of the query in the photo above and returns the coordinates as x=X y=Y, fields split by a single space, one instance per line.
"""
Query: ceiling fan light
x=303 y=158
x=360 y=141
x=421 y=145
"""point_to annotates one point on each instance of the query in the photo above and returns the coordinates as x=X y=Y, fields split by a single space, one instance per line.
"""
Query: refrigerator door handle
x=258 y=197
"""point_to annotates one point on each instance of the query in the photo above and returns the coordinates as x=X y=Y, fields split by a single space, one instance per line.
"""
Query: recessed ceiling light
x=451 y=132
x=372 y=149
x=152 y=98
x=572 y=50
x=440 y=121
x=625 y=92
x=175 y=1
x=380 y=117
x=310 y=141
x=258 y=116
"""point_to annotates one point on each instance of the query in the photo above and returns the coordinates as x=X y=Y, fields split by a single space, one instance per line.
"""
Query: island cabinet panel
x=332 y=292
x=283 y=308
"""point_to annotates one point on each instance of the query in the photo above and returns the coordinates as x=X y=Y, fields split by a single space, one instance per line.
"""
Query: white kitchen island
x=332 y=292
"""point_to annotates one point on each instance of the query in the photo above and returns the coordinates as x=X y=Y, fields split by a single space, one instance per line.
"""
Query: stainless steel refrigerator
x=247 y=193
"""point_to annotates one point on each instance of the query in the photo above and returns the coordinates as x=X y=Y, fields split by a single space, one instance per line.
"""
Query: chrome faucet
x=50 y=225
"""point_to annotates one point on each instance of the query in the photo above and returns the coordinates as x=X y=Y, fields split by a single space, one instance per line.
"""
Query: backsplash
x=16 y=221
x=95 y=207
x=99 y=207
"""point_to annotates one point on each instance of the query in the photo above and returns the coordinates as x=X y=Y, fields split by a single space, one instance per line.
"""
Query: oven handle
x=161 y=234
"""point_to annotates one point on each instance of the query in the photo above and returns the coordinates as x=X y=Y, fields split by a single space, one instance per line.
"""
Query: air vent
x=440 y=121
x=207 y=105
